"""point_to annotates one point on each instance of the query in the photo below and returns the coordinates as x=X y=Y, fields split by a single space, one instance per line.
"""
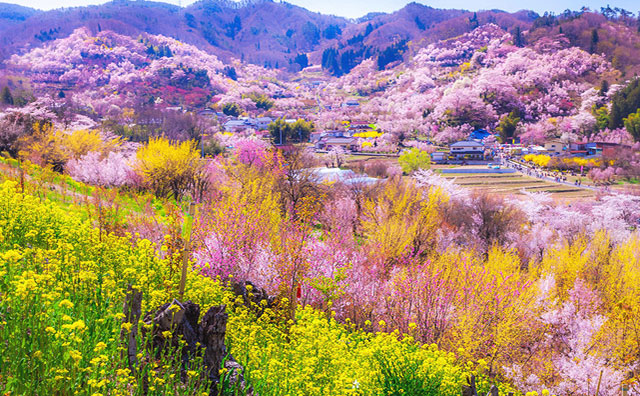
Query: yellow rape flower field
x=62 y=287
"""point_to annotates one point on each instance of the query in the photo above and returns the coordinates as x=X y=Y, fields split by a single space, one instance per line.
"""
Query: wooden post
x=21 y=177
x=185 y=253
x=132 y=309
x=599 y=380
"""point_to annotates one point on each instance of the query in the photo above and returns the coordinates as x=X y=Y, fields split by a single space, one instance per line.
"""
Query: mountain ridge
x=262 y=32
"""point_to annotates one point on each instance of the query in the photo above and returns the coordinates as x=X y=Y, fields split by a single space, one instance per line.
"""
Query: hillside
x=261 y=32
x=409 y=29
x=612 y=33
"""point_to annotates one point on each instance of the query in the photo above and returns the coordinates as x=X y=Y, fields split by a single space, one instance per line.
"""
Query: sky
x=358 y=8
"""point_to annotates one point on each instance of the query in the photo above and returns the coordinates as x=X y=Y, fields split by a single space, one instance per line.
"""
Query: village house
x=439 y=156
x=607 y=149
x=469 y=149
x=260 y=122
x=554 y=147
x=578 y=148
x=329 y=142
x=208 y=113
x=315 y=136
x=351 y=103
x=236 y=126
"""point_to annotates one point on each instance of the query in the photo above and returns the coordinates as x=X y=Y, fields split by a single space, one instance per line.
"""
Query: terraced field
x=515 y=183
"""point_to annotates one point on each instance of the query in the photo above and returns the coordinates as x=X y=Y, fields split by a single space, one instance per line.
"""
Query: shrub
x=168 y=168
x=108 y=171
x=414 y=159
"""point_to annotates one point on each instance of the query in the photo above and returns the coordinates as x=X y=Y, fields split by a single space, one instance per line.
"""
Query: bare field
x=515 y=183
x=497 y=183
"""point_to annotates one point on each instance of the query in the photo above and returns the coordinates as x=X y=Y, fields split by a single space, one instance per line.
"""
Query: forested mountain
x=262 y=32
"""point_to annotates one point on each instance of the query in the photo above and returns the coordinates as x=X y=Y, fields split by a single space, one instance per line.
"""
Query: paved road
x=523 y=168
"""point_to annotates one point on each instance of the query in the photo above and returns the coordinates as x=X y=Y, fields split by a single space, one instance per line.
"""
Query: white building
x=468 y=149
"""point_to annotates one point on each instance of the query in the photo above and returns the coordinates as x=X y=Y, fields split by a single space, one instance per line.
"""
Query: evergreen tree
x=632 y=125
x=594 y=41
x=623 y=103
x=604 y=87
x=283 y=132
x=330 y=61
x=300 y=131
x=6 y=96
x=302 y=60
x=278 y=130
x=231 y=109
x=474 y=21
x=508 y=126
x=517 y=37
x=615 y=116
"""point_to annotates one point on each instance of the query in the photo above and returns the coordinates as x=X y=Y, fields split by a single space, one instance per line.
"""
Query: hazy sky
x=358 y=8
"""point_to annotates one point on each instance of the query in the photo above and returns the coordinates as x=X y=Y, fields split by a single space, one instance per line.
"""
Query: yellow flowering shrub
x=368 y=134
x=169 y=168
x=538 y=159
x=49 y=146
x=400 y=219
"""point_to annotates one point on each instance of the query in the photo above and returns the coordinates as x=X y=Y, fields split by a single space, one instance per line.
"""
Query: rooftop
x=467 y=143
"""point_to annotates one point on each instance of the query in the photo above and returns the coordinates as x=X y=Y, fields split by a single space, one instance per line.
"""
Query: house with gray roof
x=467 y=149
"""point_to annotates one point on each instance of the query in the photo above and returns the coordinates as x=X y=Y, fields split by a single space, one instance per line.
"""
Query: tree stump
x=132 y=310
x=175 y=321
x=493 y=391
x=213 y=329
x=252 y=298
x=470 y=390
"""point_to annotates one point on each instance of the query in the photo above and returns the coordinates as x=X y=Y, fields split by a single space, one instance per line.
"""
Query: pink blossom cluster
x=113 y=170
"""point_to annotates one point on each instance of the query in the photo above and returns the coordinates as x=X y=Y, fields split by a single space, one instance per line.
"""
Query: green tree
x=302 y=60
x=296 y=132
x=261 y=101
x=602 y=117
x=594 y=41
x=604 y=87
x=616 y=116
x=6 y=96
x=211 y=148
x=517 y=37
x=632 y=124
x=414 y=159
x=508 y=125
x=231 y=109
x=311 y=33
x=301 y=130
x=623 y=103
x=278 y=130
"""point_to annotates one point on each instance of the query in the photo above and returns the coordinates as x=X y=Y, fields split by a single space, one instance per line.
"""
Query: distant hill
x=12 y=15
x=281 y=35
x=261 y=32
x=388 y=36
x=614 y=34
